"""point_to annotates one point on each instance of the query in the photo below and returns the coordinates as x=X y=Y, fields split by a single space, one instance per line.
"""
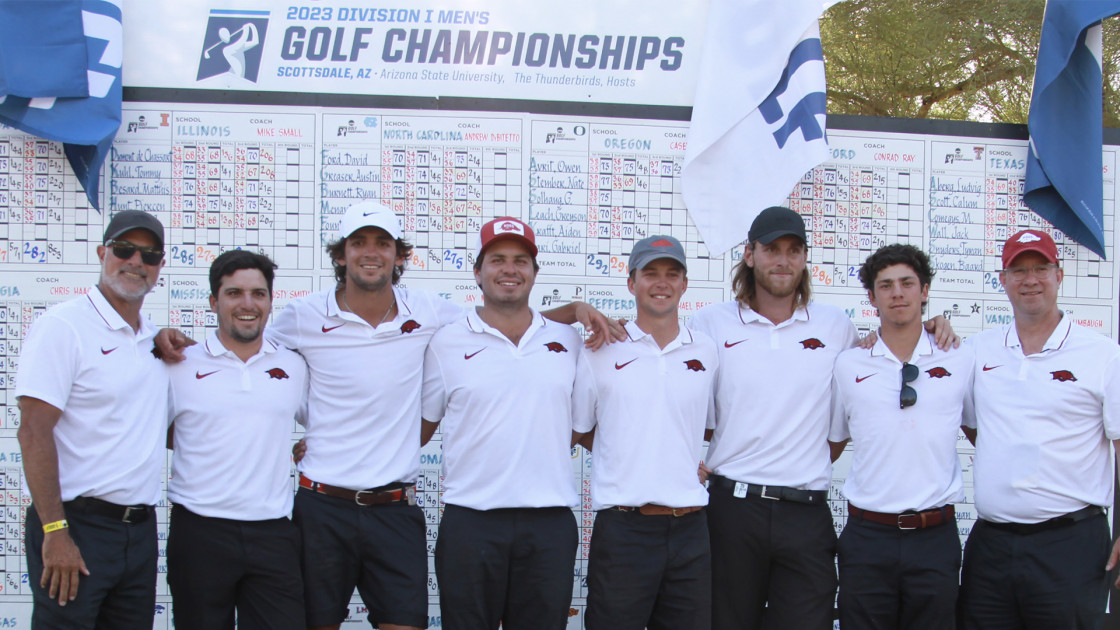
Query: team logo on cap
x=277 y=373
x=1028 y=237
x=812 y=343
x=555 y=346
x=409 y=326
x=938 y=372
x=695 y=365
x=509 y=227
x=664 y=242
x=1063 y=376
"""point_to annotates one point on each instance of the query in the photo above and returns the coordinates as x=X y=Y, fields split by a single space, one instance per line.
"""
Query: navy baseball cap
x=776 y=222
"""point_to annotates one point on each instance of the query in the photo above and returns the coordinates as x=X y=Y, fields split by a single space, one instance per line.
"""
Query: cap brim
x=644 y=261
x=770 y=237
x=510 y=236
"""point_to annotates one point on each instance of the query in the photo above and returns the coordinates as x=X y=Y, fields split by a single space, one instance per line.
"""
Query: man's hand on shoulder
x=603 y=329
x=170 y=344
x=943 y=334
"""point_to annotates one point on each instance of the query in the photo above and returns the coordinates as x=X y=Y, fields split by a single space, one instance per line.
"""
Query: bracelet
x=55 y=526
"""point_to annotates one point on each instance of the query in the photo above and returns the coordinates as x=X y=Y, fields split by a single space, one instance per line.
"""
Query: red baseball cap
x=1029 y=241
x=504 y=228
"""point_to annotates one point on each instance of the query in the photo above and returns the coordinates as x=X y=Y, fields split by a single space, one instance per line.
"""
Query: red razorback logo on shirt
x=1063 y=376
x=555 y=346
x=277 y=373
x=812 y=343
x=938 y=372
x=695 y=365
x=409 y=326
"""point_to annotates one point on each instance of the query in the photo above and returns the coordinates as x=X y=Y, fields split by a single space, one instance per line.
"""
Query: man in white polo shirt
x=773 y=541
x=901 y=403
x=355 y=508
x=500 y=381
x=232 y=545
x=643 y=405
x=93 y=403
x=1047 y=403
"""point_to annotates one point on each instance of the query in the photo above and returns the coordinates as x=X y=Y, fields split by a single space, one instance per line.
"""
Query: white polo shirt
x=902 y=459
x=774 y=392
x=83 y=358
x=233 y=430
x=1043 y=423
x=363 y=419
x=506 y=413
x=651 y=406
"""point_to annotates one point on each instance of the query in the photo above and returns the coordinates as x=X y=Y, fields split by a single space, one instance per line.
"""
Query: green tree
x=953 y=59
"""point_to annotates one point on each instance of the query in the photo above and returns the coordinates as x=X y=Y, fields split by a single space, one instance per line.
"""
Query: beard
x=128 y=289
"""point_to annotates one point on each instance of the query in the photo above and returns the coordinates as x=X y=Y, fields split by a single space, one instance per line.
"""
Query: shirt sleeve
x=447 y=312
x=585 y=397
x=1111 y=398
x=968 y=414
x=433 y=393
x=49 y=362
x=284 y=329
x=838 y=429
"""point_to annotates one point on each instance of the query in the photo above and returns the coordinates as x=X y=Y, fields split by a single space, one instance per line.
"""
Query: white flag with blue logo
x=1064 y=184
x=758 y=119
x=86 y=125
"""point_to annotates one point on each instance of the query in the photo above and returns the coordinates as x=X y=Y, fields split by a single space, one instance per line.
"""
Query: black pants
x=381 y=549
x=216 y=565
x=898 y=579
x=120 y=591
x=649 y=572
x=773 y=563
x=508 y=566
x=1049 y=580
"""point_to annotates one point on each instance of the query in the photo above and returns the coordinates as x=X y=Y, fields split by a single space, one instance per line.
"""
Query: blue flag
x=45 y=29
x=85 y=125
x=1064 y=184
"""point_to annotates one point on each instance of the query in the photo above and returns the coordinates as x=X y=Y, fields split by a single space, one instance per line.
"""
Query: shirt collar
x=1054 y=342
x=476 y=325
x=924 y=348
x=112 y=318
x=748 y=315
x=334 y=310
x=636 y=334
x=215 y=348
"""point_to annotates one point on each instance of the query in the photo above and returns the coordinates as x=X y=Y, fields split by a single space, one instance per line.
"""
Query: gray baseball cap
x=656 y=247
x=126 y=220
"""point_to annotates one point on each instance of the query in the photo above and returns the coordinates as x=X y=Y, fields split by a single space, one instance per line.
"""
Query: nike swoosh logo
x=986 y=367
x=468 y=356
x=202 y=376
x=104 y=351
x=728 y=344
x=619 y=366
x=326 y=330
x=860 y=379
x=366 y=214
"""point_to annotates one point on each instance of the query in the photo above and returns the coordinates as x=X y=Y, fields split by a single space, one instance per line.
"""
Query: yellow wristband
x=55 y=526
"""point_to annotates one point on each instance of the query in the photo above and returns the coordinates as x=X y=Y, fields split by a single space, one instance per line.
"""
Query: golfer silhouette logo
x=232 y=45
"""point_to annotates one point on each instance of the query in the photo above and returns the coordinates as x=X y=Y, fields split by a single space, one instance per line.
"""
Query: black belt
x=775 y=493
x=1064 y=520
x=131 y=514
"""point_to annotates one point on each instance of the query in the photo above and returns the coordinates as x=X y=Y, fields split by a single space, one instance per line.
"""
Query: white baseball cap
x=369 y=214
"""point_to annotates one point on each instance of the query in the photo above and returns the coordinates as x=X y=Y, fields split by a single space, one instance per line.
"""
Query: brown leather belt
x=650 y=509
x=373 y=496
x=907 y=520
